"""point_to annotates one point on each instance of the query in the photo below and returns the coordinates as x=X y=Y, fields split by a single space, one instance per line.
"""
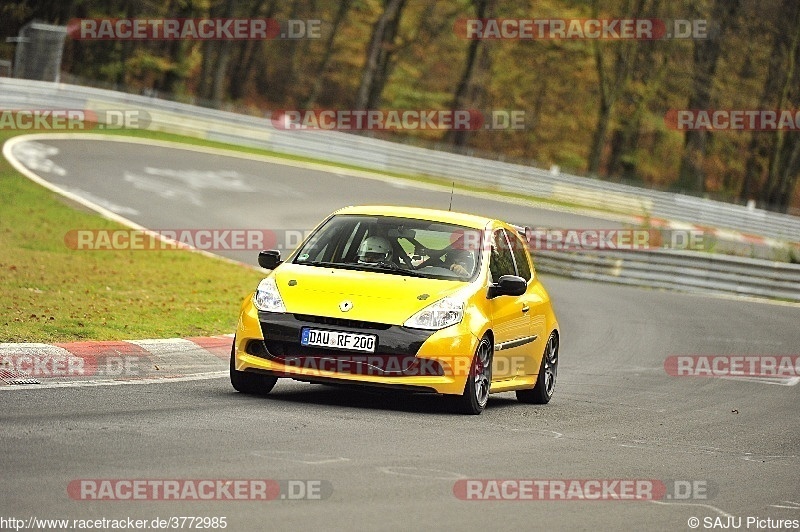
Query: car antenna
x=451 y=196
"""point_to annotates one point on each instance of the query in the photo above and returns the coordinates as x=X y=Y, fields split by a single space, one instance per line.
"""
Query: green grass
x=51 y=293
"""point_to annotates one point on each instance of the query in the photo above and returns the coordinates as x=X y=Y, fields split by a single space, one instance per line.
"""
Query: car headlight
x=267 y=297
x=444 y=313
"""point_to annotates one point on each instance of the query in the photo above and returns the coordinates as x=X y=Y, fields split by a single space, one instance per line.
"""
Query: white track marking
x=227 y=180
x=106 y=204
x=36 y=156
x=543 y=432
x=300 y=458
x=32 y=348
x=789 y=505
x=166 y=345
x=777 y=381
x=721 y=512
x=174 y=358
x=168 y=191
x=694 y=449
x=89 y=384
x=35 y=362
x=751 y=457
x=179 y=356
x=187 y=185
x=419 y=472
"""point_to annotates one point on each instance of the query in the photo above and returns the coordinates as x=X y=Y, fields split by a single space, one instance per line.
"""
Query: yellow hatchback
x=415 y=299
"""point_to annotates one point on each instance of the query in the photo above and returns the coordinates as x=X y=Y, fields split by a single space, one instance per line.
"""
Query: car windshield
x=394 y=245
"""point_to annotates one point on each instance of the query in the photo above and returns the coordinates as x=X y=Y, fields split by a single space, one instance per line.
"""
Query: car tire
x=545 y=386
x=247 y=382
x=476 y=389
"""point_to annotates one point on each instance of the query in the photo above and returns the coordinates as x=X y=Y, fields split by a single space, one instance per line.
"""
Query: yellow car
x=416 y=299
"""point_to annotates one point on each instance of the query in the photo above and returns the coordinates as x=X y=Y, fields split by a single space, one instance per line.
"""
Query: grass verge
x=51 y=293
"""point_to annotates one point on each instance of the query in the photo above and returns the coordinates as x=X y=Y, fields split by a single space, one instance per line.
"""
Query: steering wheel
x=429 y=260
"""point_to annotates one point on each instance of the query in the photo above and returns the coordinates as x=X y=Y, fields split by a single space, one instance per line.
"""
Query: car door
x=510 y=319
x=534 y=301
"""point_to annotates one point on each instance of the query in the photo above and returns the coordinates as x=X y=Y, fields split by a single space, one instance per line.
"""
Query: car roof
x=458 y=218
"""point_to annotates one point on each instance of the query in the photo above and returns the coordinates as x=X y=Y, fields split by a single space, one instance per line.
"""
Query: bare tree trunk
x=758 y=150
x=706 y=55
x=790 y=172
x=780 y=179
x=757 y=166
x=127 y=47
x=378 y=53
x=223 y=59
x=344 y=7
x=465 y=91
x=647 y=77
x=610 y=85
x=209 y=52
x=244 y=59
x=600 y=133
x=283 y=88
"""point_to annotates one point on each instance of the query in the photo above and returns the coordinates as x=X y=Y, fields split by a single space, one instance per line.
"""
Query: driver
x=374 y=250
x=460 y=262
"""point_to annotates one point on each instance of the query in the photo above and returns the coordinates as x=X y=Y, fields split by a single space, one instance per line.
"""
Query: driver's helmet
x=374 y=249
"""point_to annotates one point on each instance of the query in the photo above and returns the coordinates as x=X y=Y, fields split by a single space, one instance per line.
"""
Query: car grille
x=339 y=322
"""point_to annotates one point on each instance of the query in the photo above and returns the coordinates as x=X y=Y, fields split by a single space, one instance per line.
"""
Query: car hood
x=375 y=296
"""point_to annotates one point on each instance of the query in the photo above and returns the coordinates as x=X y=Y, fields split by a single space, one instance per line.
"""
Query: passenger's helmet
x=374 y=249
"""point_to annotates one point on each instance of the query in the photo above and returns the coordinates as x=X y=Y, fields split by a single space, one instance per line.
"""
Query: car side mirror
x=508 y=285
x=269 y=259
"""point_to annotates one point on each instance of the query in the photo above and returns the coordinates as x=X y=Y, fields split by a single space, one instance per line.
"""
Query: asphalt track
x=392 y=460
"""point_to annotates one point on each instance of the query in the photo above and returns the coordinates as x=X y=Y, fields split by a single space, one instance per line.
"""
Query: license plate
x=338 y=340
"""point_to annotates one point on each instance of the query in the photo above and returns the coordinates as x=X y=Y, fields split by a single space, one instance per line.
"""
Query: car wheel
x=546 y=381
x=476 y=389
x=250 y=383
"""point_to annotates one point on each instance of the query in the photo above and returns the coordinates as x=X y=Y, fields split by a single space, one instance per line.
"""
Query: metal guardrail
x=384 y=156
x=693 y=271
x=678 y=270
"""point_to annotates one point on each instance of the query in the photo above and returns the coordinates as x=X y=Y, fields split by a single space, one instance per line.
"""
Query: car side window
x=521 y=257
x=502 y=260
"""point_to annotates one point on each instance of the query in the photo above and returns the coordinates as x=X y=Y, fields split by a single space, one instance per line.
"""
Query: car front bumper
x=412 y=359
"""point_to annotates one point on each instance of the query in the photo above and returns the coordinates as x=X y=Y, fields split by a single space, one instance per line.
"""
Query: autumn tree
x=706 y=55
x=378 y=55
